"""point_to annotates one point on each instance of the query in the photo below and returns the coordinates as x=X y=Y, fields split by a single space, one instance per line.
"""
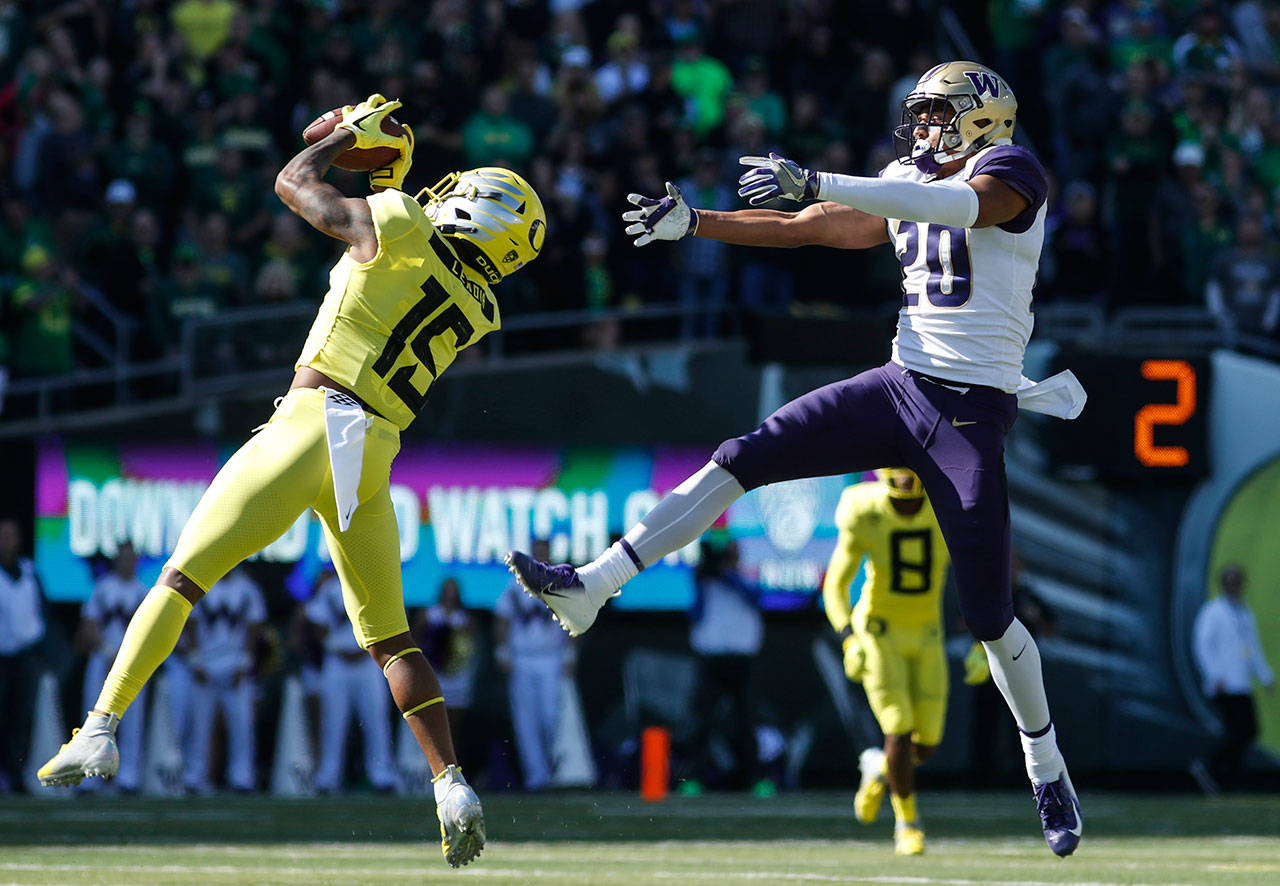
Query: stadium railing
x=253 y=348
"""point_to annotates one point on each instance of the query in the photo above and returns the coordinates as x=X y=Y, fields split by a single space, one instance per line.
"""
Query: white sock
x=1015 y=668
x=604 y=575
x=1044 y=761
x=101 y=724
x=452 y=775
x=681 y=516
x=684 y=513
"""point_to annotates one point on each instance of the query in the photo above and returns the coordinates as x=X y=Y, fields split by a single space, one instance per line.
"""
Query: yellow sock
x=152 y=633
x=904 y=808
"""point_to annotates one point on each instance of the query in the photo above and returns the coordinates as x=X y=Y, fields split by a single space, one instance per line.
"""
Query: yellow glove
x=976 y=667
x=392 y=175
x=855 y=659
x=365 y=122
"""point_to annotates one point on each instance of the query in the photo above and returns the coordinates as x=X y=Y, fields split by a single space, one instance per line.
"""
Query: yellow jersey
x=389 y=326
x=907 y=559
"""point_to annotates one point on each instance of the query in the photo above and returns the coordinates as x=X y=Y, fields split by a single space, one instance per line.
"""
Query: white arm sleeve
x=950 y=203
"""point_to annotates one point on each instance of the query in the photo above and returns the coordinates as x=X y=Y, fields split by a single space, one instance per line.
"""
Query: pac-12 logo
x=984 y=83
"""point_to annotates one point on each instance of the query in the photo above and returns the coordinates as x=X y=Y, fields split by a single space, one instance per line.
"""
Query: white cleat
x=559 y=588
x=461 y=823
x=91 y=751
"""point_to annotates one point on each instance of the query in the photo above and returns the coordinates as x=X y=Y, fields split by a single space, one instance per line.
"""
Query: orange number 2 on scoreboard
x=1144 y=424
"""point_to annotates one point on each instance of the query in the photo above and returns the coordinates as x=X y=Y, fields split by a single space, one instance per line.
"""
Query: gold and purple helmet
x=902 y=482
x=492 y=217
x=970 y=106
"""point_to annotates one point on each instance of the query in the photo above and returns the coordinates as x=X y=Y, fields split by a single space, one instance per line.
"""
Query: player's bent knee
x=897 y=744
x=731 y=456
x=392 y=649
x=987 y=622
x=172 y=578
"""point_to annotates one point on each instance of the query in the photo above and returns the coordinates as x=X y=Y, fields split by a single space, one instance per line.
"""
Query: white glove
x=667 y=219
x=775 y=176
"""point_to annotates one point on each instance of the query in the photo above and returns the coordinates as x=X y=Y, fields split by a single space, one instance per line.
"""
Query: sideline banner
x=460 y=508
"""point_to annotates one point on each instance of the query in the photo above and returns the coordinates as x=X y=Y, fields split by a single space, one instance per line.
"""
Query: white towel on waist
x=1061 y=395
x=344 y=425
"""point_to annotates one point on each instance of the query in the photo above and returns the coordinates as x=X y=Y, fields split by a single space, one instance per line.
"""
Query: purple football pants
x=894 y=417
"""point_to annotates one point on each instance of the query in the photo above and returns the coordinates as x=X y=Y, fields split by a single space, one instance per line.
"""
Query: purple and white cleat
x=558 y=587
x=1059 y=815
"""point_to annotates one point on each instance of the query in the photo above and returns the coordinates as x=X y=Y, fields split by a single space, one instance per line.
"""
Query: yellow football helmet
x=902 y=483
x=969 y=104
x=492 y=216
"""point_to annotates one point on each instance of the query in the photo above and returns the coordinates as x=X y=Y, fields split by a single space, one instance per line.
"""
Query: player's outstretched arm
x=301 y=186
x=823 y=224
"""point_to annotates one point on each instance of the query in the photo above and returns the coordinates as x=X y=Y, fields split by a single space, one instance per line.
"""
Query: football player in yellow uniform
x=411 y=290
x=892 y=637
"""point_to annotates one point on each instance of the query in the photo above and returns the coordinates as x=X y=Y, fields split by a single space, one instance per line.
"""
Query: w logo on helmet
x=984 y=83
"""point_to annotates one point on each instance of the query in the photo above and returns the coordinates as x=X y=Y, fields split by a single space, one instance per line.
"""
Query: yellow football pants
x=271 y=480
x=906 y=677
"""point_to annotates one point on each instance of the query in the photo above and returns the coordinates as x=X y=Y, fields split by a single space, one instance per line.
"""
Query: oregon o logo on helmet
x=534 y=230
x=984 y=83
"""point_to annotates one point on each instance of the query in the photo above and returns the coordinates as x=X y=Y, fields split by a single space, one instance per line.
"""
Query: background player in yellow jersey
x=409 y=292
x=893 y=638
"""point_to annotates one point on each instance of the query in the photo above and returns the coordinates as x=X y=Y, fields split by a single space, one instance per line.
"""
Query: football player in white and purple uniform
x=964 y=209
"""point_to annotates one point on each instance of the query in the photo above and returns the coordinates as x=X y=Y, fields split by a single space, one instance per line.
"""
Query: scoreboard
x=1146 y=418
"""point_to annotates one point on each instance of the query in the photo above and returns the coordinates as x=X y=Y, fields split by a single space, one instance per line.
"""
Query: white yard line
x=559 y=875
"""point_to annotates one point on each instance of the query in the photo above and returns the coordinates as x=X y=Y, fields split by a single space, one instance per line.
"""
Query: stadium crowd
x=140 y=140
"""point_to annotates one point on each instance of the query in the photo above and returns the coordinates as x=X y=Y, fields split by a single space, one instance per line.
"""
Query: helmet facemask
x=967 y=106
x=920 y=110
x=903 y=483
x=492 y=217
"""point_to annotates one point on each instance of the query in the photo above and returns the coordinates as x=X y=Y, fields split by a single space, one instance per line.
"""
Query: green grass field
x=617 y=839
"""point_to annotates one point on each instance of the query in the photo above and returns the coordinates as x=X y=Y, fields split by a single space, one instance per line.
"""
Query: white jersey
x=110 y=606
x=533 y=632
x=220 y=623
x=966 y=314
x=326 y=608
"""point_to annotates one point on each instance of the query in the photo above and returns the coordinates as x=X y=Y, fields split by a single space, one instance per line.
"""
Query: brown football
x=356 y=159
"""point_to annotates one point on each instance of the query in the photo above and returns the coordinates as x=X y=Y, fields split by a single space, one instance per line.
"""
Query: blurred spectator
x=1144 y=40
x=626 y=73
x=111 y=249
x=1205 y=49
x=221 y=269
x=103 y=620
x=1080 y=248
x=1243 y=292
x=22 y=624
x=184 y=295
x=1258 y=26
x=204 y=25
x=726 y=632
x=225 y=628
x=704 y=82
x=1135 y=158
x=755 y=96
x=492 y=136
x=142 y=161
x=1204 y=239
x=704 y=264
x=1173 y=212
x=448 y=636
x=1229 y=656
x=43 y=302
x=351 y=688
x=535 y=654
